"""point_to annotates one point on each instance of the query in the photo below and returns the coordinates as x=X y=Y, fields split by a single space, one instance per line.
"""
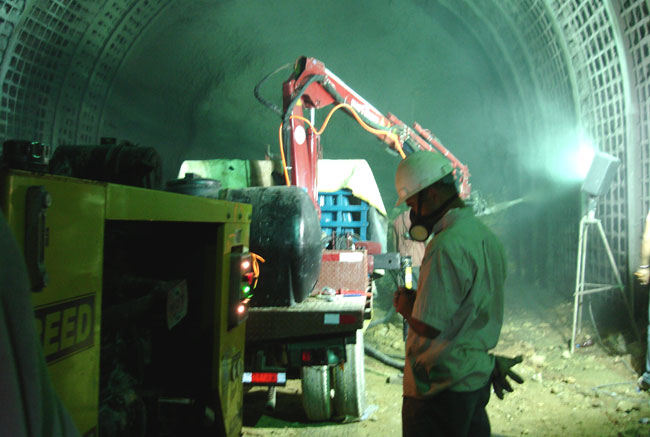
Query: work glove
x=502 y=369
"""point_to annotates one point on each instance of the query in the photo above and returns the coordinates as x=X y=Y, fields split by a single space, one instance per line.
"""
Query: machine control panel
x=242 y=282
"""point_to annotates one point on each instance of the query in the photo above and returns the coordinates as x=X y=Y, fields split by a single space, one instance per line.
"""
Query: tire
x=316 y=399
x=349 y=381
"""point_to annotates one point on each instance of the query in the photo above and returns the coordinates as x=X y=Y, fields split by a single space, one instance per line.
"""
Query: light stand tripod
x=583 y=288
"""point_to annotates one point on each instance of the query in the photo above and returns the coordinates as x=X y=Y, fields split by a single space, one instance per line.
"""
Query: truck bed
x=313 y=316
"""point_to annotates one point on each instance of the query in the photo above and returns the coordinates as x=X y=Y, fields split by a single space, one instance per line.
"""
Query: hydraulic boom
x=311 y=86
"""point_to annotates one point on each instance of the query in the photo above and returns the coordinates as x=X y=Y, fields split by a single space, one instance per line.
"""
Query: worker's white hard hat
x=419 y=170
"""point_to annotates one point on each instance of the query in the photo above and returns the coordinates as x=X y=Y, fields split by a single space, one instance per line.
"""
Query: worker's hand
x=643 y=275
x=502 y=369
x=403 y=302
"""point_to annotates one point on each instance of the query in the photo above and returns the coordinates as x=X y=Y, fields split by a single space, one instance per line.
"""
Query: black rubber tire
x=316 y=393
x=349 y=381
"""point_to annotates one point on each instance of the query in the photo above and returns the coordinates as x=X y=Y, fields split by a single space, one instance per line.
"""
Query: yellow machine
x=140 y=298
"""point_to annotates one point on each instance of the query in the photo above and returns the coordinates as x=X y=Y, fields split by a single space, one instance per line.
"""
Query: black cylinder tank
x=285 y=231
x=195 y=186
x=122 y=163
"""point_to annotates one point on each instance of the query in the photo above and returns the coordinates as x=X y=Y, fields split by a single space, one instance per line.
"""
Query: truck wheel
x=316 y=399
x=350 y=382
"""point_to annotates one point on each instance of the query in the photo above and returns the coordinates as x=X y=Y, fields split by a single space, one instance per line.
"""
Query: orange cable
x=256 y=266
x=363 y=124
x=284 y=160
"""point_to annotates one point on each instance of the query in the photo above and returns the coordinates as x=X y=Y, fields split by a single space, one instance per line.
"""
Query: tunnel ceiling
x=179 y=75
x=444 y=80
x=503 y=84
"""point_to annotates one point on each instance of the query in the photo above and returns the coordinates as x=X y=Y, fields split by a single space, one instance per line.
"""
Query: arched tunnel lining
x=67 y=67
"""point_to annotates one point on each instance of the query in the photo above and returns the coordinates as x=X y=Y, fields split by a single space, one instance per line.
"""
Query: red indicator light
x=245 y=264
x=241 y=309
x=306 y=356
x=248 y=278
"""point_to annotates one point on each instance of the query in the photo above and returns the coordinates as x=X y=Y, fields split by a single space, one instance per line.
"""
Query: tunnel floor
x=592 y=392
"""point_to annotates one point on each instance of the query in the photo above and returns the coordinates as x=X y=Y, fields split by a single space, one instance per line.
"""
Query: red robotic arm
x=312 y=86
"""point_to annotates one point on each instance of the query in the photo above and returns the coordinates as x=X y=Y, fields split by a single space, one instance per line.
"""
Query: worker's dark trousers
x=447 y=414
x=646 y=374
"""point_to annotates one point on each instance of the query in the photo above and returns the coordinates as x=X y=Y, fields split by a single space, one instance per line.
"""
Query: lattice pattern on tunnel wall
x=58 y=57
x=32 y=72
x=590 y=35
x=58 y=62
x=547 y=55
x=10 y=13
x=636 y=19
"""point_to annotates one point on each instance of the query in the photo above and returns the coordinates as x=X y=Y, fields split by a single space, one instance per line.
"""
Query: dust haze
x=187 y=89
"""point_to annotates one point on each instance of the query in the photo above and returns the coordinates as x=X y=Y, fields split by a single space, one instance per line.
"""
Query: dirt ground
x=592 y=392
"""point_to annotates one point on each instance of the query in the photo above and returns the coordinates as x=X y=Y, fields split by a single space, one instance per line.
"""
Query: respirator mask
x=422 y=225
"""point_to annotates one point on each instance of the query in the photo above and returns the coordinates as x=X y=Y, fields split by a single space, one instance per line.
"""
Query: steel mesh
x=58 y=66
x=582 y=59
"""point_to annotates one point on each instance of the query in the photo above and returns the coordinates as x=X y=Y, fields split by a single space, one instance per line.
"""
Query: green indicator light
x=246 y=289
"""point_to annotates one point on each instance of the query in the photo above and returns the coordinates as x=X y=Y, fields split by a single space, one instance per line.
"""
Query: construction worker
x=643 y=275
x=456 y=313
x=30 y=407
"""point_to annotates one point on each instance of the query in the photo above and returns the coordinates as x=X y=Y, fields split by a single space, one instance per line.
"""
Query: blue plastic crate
x=343 y=213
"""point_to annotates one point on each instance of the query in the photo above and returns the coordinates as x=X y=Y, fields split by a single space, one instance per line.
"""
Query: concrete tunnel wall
x=509 y=87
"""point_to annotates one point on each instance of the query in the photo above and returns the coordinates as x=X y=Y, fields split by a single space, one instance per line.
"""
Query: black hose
x=384 y=358
x=396 y=356
x=272 y=106
x=287 y=115
x=409 y=146
x=339 y=99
